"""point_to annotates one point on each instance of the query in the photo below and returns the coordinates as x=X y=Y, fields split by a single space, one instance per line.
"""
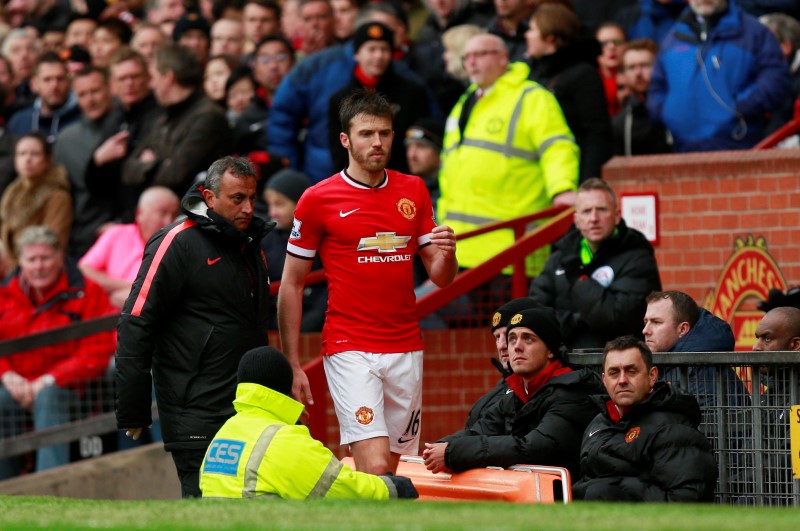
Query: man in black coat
x=200 y=301
x=645 y=446
x=541 y=421
x=599 y=275
x=501 y=362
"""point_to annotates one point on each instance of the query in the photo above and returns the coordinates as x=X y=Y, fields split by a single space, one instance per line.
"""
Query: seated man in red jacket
x=46 y=292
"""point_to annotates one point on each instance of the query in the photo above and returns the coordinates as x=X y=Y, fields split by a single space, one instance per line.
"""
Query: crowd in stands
x=137 y=93
x=111 y=111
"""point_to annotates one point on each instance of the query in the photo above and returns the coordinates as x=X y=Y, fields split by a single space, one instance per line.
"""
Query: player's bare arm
x=440 y=257
x=290 y=311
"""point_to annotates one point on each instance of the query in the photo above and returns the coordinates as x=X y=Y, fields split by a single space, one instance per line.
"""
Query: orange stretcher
x=517 y=484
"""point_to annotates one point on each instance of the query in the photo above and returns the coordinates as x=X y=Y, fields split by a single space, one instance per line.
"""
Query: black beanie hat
x=266 y=366
x=541 y=320
x=428 y=130
x=290 y=183
x=507 y=311
x=191 y=20
x=372 y=31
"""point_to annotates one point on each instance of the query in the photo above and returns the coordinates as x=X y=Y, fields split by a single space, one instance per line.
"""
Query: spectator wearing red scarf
x=541 y=421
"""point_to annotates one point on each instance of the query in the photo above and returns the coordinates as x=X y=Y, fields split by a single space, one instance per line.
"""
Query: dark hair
x=641 y=44
x=49 y=58
x=387 y=7
x=238 y=166
x=124 y=53
x=595 y=183
x=182 y=62
x=367 y=102
x=116 y=27
x=306 y=2
x=275 y=7
x=684 y=308
x=236 y=75
x=91 y=69
x=629 y=342
x=36 y=135
x=230 y=60
x=275 y=38
x=557 y=21
x=611 y=24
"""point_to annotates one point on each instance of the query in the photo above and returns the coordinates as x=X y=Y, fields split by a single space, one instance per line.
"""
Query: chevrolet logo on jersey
x=383 y=242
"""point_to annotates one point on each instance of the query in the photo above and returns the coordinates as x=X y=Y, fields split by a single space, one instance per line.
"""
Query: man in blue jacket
x=298 y=119
x=718 y=75
x=674 y=323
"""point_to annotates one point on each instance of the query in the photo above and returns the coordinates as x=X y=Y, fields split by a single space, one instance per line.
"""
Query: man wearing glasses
x=507 y=152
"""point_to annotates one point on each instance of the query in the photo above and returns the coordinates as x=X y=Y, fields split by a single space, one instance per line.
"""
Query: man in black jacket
x=645 y=446
x=541 y=420
x=200 y=301
x=674 y=323
x=499 y=325
x=599 y=275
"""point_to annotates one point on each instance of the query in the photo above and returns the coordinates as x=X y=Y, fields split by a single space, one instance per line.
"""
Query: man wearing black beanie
x=498 y=327
x=264 y=451
x=541 y=421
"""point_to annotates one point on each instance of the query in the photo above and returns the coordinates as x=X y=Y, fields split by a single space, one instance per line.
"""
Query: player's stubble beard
x=370 y=164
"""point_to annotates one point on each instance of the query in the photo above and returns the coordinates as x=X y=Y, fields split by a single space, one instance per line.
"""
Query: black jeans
x=188 y=463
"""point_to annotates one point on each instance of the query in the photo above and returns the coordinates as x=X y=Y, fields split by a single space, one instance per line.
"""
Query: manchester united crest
x=632 y=434
x=496 y=318
x=364 y=415
x=375 y=32
x=516 y=319
x=407 y=208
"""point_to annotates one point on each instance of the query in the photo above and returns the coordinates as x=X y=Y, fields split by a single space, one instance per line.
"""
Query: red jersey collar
x=357 y=184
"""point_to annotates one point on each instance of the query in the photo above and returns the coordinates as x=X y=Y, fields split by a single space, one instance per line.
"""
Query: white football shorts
x=377 y=395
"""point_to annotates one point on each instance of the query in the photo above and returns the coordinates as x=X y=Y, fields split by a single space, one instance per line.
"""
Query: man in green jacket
x=263 y=451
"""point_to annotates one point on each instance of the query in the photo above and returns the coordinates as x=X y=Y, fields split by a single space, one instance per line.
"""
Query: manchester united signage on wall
x=745 y=280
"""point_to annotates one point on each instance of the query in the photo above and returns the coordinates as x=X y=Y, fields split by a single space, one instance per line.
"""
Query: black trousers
x=188 y=463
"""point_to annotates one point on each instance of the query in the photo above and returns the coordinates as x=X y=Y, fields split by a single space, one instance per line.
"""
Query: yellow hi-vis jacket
x=516 y=154
x=260 y=451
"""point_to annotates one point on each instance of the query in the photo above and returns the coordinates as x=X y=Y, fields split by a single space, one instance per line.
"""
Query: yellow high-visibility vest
x=516 y=154
x=260 y=451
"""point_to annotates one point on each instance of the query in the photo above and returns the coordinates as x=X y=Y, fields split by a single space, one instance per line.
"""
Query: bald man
x=114 y=260
x=779 y=330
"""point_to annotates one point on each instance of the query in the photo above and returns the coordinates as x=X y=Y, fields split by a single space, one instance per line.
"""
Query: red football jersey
x=367 y=238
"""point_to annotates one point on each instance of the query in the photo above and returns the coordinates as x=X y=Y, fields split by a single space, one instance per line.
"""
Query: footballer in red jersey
x=367 y=223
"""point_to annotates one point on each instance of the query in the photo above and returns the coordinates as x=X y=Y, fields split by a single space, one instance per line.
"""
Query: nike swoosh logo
x=403 y=441
x=345 y=214
x=593 y=432
x=214 y=261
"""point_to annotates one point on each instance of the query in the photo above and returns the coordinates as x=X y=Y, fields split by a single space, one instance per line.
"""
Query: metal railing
x=749 y=431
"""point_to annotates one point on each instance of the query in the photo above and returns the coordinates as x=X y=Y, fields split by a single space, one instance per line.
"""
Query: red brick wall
x=707 y=200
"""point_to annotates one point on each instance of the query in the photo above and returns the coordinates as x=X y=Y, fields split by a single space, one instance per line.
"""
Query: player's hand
x=134 y=433
x=444 y=238
x=301 y=389
x=433 y=454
